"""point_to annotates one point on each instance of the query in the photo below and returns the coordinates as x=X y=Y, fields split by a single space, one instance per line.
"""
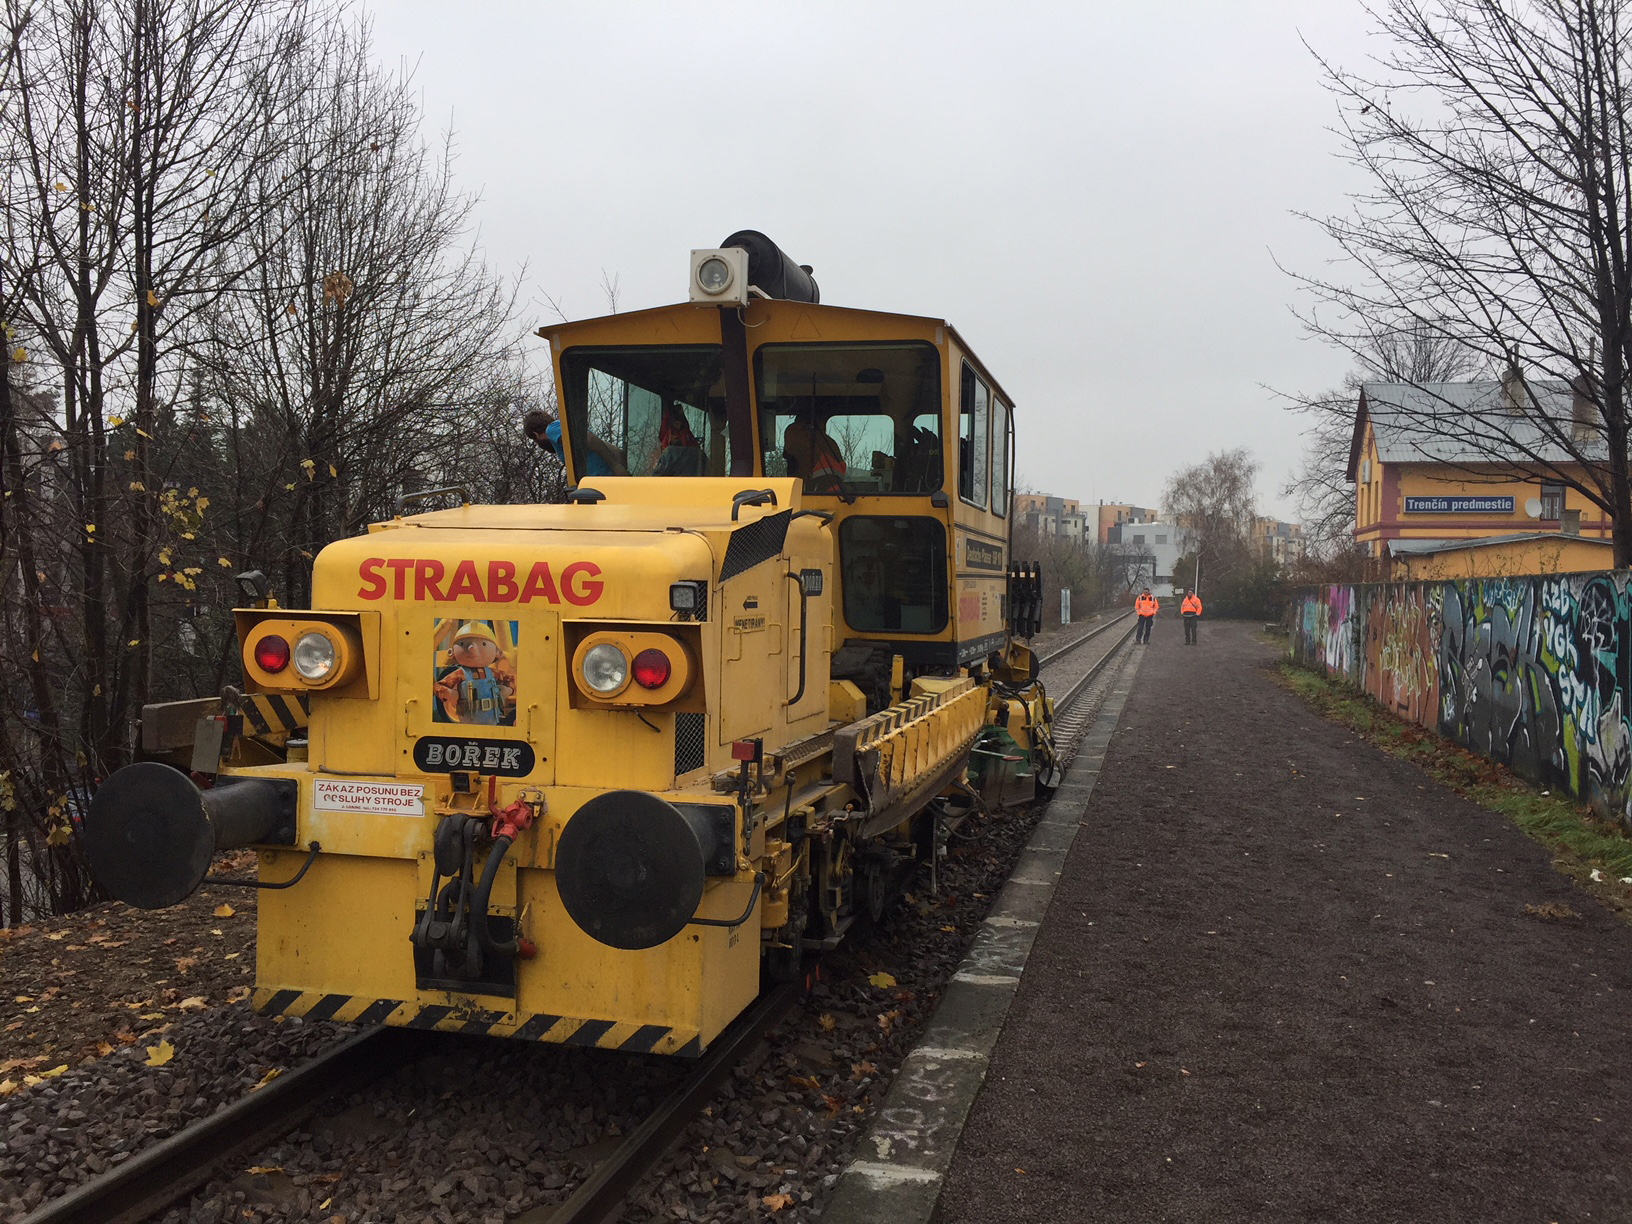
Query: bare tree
x=1497 y=138
x=132 y=134
x=1324 y=493
x=373 y=355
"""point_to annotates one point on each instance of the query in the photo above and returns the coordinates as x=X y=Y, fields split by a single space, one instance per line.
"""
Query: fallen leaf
x=862 y=1069
x=806 y=1081
x=57 y=935
x=193 y=1001
x=327 y=1179
x=160 y=1054
x=949 y=928
x=881 y=979
x=104 y=1048
x=8 y=1086
x=266 y=1168
x=224 y=910
x=54 y=1072
x=827 y=1022
x=268 y=1078
x=776 y=1202
x=1143 y=1064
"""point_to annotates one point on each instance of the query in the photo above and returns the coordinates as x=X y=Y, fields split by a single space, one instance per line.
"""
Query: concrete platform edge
x=901 y=1162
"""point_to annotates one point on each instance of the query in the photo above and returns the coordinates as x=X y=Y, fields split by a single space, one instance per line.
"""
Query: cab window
x=974 y=410
x=851 y=418
x=646 y=411
x=894 y=573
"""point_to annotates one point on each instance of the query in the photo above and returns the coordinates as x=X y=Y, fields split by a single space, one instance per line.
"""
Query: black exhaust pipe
x=150 y=833
x=772 y=271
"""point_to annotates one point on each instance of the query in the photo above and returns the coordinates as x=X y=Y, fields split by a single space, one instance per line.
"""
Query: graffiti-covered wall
x=1533 y=672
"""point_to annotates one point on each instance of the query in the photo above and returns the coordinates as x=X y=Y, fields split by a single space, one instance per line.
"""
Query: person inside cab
x=680 y=452
x=1190 y=609
x=1145 y=608
x=813 y=457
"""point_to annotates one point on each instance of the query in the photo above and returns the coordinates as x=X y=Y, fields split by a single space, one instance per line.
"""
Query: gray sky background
x=1094 y=194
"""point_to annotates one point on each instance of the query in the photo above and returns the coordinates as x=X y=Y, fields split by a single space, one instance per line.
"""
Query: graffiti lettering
x=1533 y=672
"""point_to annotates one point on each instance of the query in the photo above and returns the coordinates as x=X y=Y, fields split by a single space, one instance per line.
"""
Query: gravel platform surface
x=1288 y=977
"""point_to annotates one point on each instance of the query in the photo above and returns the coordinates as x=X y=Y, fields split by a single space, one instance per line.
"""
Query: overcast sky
x=1095 y=194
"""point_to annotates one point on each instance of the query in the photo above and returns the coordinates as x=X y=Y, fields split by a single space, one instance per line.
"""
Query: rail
x=1052 y=655
x=599 y=1196
x=155 y=1178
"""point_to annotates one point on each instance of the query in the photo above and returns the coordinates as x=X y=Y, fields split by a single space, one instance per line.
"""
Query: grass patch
x=1582 y=843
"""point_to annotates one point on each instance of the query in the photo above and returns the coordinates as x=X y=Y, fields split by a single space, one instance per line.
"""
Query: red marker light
x=651 y=669
x=272 y=653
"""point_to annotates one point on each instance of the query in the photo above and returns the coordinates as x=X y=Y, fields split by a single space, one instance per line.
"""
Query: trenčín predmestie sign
x=1459 y=505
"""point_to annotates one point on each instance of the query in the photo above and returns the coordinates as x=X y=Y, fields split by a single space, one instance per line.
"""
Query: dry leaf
x=224 y=910
x=54 y=1072
x=776 y=1202
x=8 y=1086
x=827 y=1022
x=268 y=1078
x=104 y=1048
x=266 y=1169
x=881 y=979
x=862 y=1069
x=806 y=1081
x=192 y=1002
x=160 y=1054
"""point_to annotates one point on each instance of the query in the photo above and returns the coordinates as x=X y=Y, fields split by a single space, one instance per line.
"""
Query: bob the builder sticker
x=474 y=679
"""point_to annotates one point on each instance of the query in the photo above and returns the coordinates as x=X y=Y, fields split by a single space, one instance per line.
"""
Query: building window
x=1138 y=539
x=1552 y=502
x=1161 y=539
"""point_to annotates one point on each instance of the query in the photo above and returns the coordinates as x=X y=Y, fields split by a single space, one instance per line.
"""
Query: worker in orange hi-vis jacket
x=1145 y=608
x=1190 y=609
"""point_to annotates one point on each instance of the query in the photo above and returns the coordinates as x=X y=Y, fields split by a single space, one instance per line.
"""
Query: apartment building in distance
x=1113 y=514
x=1277 y=541
x=1050 y=516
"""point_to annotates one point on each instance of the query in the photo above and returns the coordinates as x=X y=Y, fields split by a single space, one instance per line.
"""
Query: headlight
x=314 y=657
x=714 y=275
x=606 y=669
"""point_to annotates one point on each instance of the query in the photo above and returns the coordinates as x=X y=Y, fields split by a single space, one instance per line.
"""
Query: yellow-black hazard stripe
x=536 y=1026
x=271 y=713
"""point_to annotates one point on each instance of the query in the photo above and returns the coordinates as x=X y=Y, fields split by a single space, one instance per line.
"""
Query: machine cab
x=890 y=422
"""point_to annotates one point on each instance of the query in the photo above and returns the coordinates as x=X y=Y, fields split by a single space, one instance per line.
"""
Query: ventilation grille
x=690 y=733
x=755 y=543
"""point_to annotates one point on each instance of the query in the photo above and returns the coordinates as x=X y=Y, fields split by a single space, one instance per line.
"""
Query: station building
x=1433 y=498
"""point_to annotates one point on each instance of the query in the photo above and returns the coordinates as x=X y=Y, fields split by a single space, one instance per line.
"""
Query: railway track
x=164 y=1174
x=1070 y=714
x=167 y=1172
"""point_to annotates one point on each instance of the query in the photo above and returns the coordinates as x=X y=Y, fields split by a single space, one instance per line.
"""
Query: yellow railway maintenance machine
x=580 y=773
